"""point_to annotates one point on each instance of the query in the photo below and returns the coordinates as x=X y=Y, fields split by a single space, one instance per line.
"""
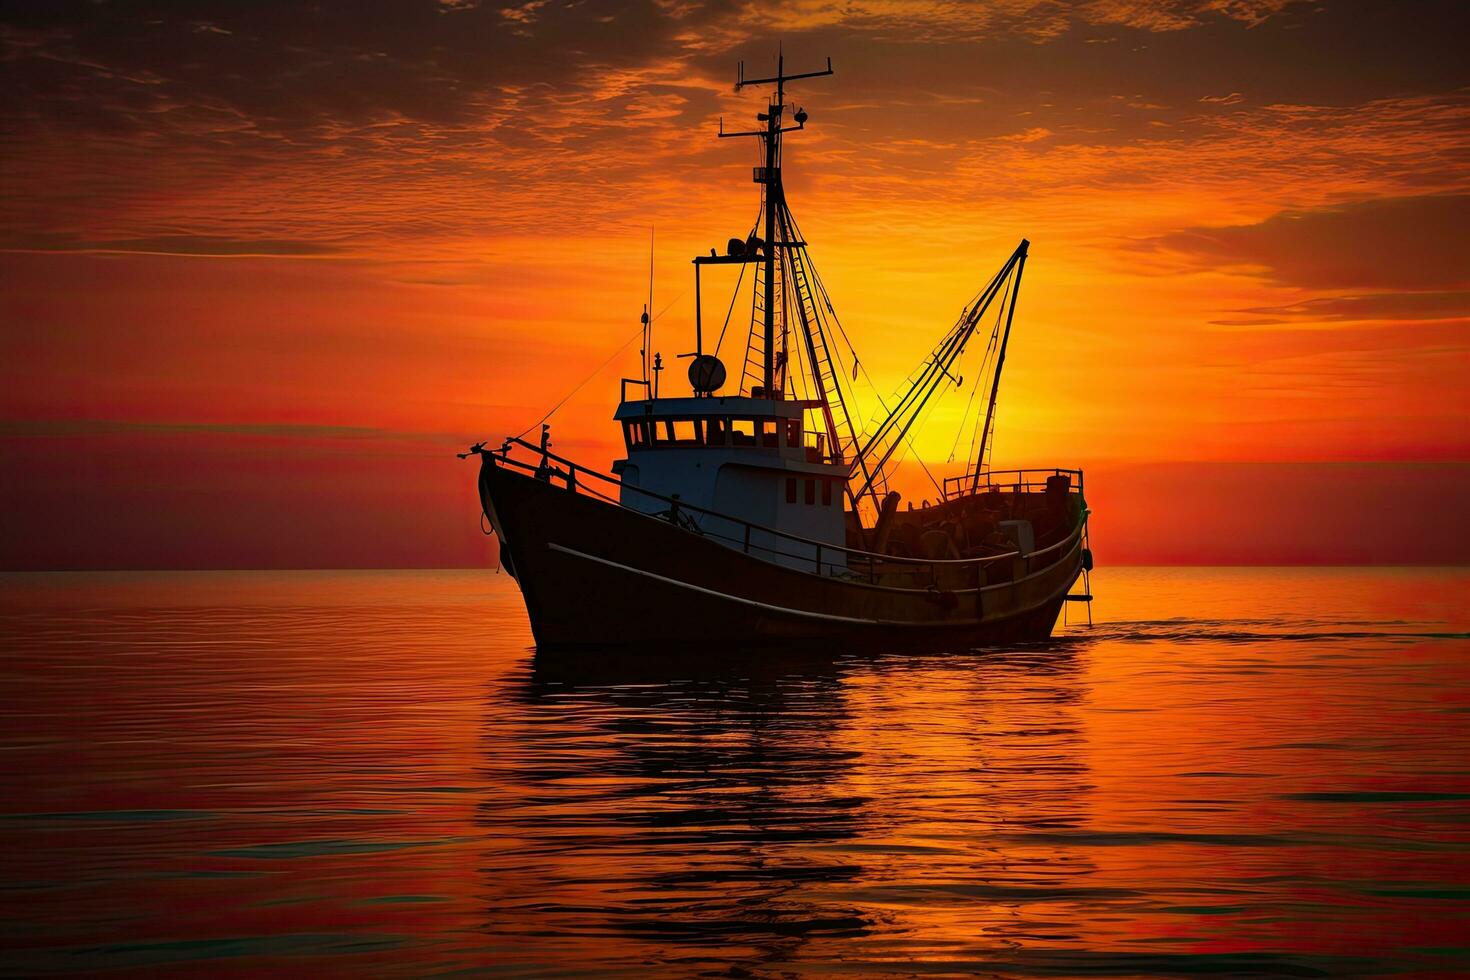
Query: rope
x=862 y=368
x=986 y=365
x=736 y=294
x=581 y=384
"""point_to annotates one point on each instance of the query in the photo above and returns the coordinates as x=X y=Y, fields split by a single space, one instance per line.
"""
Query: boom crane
x=885 y=440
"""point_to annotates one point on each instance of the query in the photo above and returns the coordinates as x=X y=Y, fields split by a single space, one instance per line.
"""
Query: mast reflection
x=653 y=811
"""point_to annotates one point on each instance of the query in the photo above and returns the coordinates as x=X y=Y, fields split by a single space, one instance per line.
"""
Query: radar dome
x=706 y=374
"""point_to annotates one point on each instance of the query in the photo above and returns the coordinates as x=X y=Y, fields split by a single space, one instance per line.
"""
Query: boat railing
x=1031 y=480
x=827 y=558
x=647 y=387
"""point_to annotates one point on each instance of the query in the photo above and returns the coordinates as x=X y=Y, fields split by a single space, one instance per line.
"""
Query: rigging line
x=786 y=318
x=1019 y=257
x=667 y=306
x=919 y=383
x=896 y=452
x=986 y=366
x=862 y=368
x=955 y=338
x=974 y=426
x=730 y=312
x=820 y=332
x=971 y=422
x=809 y=372
x=827 y=301
x=798 y=380
x=991 y=350
x=822 y=288
x=736 y=295
x=816 y=276
x=965 y=415
x=584 y=381
x=990 y=436
x=922 y=416
x=835 y=413
x=648 y=327
x=903 y=454
x=879 y=475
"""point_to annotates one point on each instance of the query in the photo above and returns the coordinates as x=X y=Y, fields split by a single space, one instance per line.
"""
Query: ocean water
x=1233 y=772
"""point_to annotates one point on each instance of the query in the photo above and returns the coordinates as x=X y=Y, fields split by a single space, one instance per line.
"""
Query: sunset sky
x=267 y=266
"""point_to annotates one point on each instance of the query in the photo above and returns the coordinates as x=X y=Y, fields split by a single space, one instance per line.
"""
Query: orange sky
x=263 y=272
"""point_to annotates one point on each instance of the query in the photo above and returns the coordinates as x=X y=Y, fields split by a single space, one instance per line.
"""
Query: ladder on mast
x=755 y=348
x=824 y=375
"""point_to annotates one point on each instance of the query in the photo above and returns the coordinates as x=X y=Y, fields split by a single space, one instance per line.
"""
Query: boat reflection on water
x=765 y=813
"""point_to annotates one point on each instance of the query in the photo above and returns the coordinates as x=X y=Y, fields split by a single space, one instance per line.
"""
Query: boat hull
x=597 y=576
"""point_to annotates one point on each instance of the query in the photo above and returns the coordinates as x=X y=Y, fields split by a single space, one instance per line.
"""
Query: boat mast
x=773 y=186
x=795 y=269
x=770 y=177
x=1000 y=363
x=894 y=429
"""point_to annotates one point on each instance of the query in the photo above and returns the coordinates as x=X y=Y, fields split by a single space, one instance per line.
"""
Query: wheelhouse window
x=816 y=445
x=683 y=432
x=769 y=432
x=712 y=431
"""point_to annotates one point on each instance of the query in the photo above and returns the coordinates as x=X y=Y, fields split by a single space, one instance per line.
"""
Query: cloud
x=201 y=245
x=920 y=22
x=1400 y=243
x=279 y=70
x=285 y=69
x=1444 y=305
x=57 y=428
x=423 y=123
x=1028 y=136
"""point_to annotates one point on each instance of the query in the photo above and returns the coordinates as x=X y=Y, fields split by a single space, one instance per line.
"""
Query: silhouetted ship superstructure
x=765 y=517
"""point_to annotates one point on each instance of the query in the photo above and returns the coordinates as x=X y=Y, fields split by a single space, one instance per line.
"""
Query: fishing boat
x=763 y=516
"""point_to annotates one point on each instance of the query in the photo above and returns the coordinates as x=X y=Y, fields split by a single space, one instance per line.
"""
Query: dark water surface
x=1256 y=772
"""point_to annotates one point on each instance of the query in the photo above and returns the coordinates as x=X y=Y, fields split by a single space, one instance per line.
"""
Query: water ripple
x=373 y=773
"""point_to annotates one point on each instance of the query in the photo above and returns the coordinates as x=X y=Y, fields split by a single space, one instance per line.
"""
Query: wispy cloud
x=200 y=245
x=1416 y=243
x=1439 y=305
x=88 y=428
